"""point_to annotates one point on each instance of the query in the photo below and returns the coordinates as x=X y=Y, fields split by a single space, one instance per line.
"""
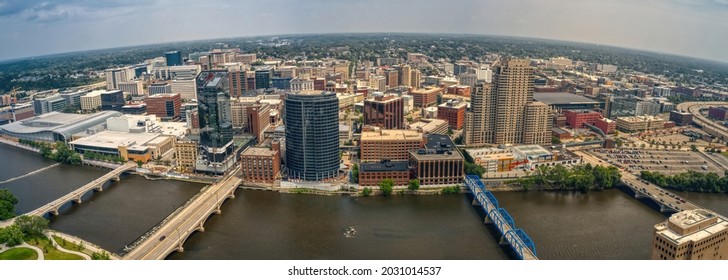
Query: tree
x=474 y=169
x=32 y=225
x=355 y=173
x=139 y=163
x=414 y=184
x=11 y=236
x=367 y=191
x=7 y=204
x=100 y=256
x=693 y=148
x=386 y=186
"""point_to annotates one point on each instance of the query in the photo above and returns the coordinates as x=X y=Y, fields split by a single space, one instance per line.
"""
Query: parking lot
x=666 y=162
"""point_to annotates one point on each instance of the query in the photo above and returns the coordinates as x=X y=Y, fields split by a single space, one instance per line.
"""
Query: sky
x=695 y=28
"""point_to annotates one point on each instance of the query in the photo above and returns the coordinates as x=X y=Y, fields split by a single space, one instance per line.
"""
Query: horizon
x=623 y=48
x=37 y=28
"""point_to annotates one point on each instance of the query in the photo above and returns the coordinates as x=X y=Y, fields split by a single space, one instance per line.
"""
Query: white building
x=135 y=88
x=91 y=101
x=187 y=89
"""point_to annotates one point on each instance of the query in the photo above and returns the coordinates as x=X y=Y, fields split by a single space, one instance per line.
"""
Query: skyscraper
x=312 y=134
x=174 y=58
x=504 y=112
x=384 y=111
x=216 y=129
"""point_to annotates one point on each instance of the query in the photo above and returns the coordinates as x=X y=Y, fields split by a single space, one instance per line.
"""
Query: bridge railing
x=517 y=238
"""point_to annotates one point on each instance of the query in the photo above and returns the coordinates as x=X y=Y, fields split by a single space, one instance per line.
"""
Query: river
x=266 y=225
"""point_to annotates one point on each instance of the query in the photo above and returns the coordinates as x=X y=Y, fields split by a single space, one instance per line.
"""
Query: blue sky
x=697 y=28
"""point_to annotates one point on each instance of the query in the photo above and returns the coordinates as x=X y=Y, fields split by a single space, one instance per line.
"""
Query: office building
x=263 y=78
x=405 y=76
x=426 y=97
x=661 y=91
x=166 y=106
x=112 y=100
x=453 y=111
x=217 y=151
x=606 y=125
x=116 y=76
x=312 y=134
x=384 y=111
x=577 y=119
x=697 y=234
x=186 y=154
x=430 y=126
x=91 y=101
x=505 y=112
x=73 y=99
x=134 y=109
x=393 y=145
x=373 y=173
x=640 y=123
x=438 y=162
x=159 y=88
x=301 y=84
x=392 y=77
x=681 y=118
x=261 y=164
x=173 y=58
x=54 y=103
x=134 y=88
x=257 y=120
x=281 y=83
x=718 y=113
x=186 y=88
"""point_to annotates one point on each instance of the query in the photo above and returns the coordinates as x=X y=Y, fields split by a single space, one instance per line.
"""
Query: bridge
x=515 y=237
x=667 y=201
x=75 y=196
x=172 y=234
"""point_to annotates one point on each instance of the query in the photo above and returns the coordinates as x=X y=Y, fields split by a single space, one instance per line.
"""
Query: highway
x=172 y=234
x=666 y=199
x=717 y=130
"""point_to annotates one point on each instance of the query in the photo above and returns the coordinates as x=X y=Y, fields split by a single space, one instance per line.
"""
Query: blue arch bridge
x=523 y=246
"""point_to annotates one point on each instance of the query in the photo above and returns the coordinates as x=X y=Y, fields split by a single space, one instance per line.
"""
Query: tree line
x=583 y=177
x=692 y=181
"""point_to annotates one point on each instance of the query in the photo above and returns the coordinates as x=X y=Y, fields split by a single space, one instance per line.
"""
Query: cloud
x=58 y=10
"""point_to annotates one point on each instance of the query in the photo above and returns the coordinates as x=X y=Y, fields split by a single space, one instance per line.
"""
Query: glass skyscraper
x=312 y=135
x=174 y=58
x=216 y=128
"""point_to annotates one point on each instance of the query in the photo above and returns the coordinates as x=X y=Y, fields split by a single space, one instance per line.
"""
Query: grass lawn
x=724 y=154
x=19 y=254
x=68 y=245
x=49 y=252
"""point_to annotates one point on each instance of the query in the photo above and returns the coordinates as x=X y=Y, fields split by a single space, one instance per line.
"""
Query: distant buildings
x=53 y=103
x=134 y=88
x=691 y=235
x=577 y=119
x=91 y=101
x=641 y=123
x=173 y=58
x=112 y=100
x=159 y=88
x=719 y=113
x=312 y=135
x=425 y=97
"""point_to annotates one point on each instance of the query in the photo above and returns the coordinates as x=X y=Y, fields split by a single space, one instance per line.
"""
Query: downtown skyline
x=37 y=28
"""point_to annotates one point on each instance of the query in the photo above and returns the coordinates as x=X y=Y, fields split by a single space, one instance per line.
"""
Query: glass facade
x=312 y=135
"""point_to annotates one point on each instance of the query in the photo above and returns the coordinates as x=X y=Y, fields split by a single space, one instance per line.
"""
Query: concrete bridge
x=515 y=237
x=172 y=234
x=75 y=196
x=666 y=200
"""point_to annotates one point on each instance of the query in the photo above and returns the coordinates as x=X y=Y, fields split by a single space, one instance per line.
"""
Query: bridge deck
x=172 y=234
x=51 y=206
x=515 y=237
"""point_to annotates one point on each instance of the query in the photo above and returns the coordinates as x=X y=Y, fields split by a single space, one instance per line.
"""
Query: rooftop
x=56 y=121
x=557 y=98
x=391 y=134
x=115 y=139
x=384 y=166
x=533 y=151
x=258 y=151
x=696 y=225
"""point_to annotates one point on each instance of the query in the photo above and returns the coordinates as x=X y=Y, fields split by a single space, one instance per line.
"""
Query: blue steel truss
x=515 y=237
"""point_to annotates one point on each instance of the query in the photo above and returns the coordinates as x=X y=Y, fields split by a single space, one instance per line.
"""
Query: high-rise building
x=503 y=112
x=135 y=88
x=697 y=234
x=312 y=134
x=166 y=106
x=258 y=119
x=405 y=76
x=174 y=58
x=393 y=145
x=72 y=98
x=392 y=79
x=91 y=101
x=186 y=89
x=159 y=88
x=384 y=111
x=415 y=78
x=262 y=78
x=112 y=100
x=301 y=84
x=261 y=164
x=217 y=151
x=238 y=82
x=453 y=111
x=54 y=103
x=116 y=76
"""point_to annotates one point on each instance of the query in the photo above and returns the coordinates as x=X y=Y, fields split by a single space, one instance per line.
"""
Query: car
x=162 y=238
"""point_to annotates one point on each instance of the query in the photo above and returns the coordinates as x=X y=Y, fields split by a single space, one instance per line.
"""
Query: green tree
x=139 y=163
x=100 y=256
x=11 y=236
x=7 y=204
x=474 y=169
x=32 y=226
x=386 y=186
x=414 y=184
x=693 y=148
x=367 y=191
x=355 y=173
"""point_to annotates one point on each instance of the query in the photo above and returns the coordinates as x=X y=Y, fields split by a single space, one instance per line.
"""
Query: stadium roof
x=556 y=98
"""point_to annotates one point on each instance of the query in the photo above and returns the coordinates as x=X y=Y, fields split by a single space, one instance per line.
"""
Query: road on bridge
x=173 y=233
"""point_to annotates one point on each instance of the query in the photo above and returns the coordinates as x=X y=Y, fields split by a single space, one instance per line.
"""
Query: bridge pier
x=503 y=240
x=116 y=178
x=201 y=226
x=487 y=220
x=77 y=199
x=179 y=248
x=218 y=211
x=54 y=212
x=476 y=202
x=99 y=187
